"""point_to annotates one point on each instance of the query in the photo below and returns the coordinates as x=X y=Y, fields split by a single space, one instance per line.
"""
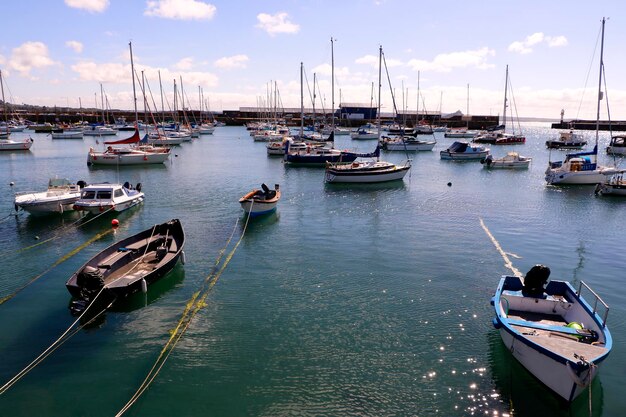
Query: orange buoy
x=115 y=222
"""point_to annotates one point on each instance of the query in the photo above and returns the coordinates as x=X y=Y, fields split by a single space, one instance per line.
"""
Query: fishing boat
x=464 y=151
x=58 y=198
x=582 y=168
x=259 y=202
x=98 y=198
x=512 y=160
x=615 y=185
x=129 y=265
x=567 y=140
x=7 y=144
x=617 y=145
x=555 y=333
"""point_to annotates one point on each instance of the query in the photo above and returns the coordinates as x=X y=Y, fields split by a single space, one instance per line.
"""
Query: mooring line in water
x=54 y=237
x=67 y=335
x=59 y=261
x=197 y=301
x=507 y=261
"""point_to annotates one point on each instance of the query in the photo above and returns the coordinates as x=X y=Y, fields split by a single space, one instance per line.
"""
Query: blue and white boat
x=555 y=333
x=319 y=156
x=464 y=151
x=259 y=202
x=99 y=198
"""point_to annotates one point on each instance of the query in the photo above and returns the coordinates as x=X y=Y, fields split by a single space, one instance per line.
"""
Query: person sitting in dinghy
x=535 y=281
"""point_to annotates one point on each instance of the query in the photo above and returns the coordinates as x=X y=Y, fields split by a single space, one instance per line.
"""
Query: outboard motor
x=126 y=185
x=90 y=280
x=81 y=184
x=138 y=187
x=535 y=280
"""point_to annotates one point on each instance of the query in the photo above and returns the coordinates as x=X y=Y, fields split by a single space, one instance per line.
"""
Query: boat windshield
x=458 y=147
x=89 y=195
x=104 y=195
x=58 y=182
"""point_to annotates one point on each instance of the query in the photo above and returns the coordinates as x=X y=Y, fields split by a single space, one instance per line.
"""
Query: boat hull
x=554 y=177
x=53 y=205
x=100 y=207
x=337 y=176
x=463 y=156
x=409 y=146
x=113 y=262
x=126 y=159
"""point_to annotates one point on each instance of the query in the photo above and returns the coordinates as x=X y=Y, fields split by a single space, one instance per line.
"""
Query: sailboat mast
x=506 y=88
x=301 y=101
x=162 y=103
x=102 y=100
x=600 y=95
x=145 y=100
x=132 y=70
x=332 y=76
x=417 y=111
x=380 y=64
x=4 y=103
x=314 y=97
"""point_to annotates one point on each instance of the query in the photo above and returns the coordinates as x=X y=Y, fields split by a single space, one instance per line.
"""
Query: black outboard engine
x=535 y=280
x=126 y=185
x=81 y=184
x=90 y=280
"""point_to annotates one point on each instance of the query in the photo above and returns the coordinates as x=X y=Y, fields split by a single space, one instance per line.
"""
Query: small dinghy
x=555 y=333
x=258 y=202
x=129 y=265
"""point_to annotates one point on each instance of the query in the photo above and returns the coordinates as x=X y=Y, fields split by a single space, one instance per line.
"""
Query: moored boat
x=512 y=160
x=58 y=198
x=259 y=202
x=555 y=333
x=614 y=185
x=129 y=265
x=365 y=172
x=617 y=146
x=464 y=151
x=134 y=154
x=98 y=198
x=7 y=144
x=567 y=140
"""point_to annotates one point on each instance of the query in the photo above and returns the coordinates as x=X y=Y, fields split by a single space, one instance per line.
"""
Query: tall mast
x=467 y=117
x=162 y=103
x=301 y=102
x=4 y=103
x=380 y=62
x=332 y=76
x=132 y=70
x=314 y=97
x=145 y=101
x=417 y=112
x=102 y=100
x=506 y=88
x=600 y=95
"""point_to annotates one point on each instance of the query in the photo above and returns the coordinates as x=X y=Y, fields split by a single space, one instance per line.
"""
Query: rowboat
x=129 y=265
x=259 y=202
x=555 y=333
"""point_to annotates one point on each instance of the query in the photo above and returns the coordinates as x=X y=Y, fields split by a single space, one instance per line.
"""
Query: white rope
x=507 y=261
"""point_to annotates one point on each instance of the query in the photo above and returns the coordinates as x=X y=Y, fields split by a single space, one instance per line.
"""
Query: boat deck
x=550 y=331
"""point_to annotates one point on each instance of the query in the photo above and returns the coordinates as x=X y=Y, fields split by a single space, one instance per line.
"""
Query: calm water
x=360 y=300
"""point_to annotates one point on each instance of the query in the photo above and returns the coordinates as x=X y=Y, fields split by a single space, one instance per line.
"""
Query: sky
x=59 y=53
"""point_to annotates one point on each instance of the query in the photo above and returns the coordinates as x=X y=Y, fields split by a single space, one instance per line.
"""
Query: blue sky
x=54 y=52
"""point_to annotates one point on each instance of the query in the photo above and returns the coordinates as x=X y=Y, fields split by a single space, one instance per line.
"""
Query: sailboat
x=498 y=135
x=368 y=171
x=137 y=153
x=7 y=144
x=582 y=167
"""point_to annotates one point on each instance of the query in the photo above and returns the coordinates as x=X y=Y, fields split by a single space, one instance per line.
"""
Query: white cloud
x=116 y=73
x=184 y=64
x=447 y=62
x=75 y=46
x=526 y=46
x=556 y=41
x=326 y=69
x=93 y=6
x=180 y=9
x=230 y=62
x=278 y=23
x=368 y=60
x=28 y=56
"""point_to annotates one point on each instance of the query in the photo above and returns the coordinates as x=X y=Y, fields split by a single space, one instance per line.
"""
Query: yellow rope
x=55 y=345
x=59 y=261
x=197 y=301
x=507 y=261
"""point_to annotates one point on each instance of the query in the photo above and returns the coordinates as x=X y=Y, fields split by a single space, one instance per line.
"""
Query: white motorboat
x=259 y=202
x=7 y=144
x=206 y=129
x=555 y=333
x=617 y=146
x=464 y=151
x=364 y=134
x=98 y=198
x=512 y=160
x=461 y=133
x=58 y=198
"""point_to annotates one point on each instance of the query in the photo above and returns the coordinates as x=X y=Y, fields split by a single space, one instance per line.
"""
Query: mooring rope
x=197 y=301
x=59 y=261
x=67 y=335
x=507 y=261
x=56 y=236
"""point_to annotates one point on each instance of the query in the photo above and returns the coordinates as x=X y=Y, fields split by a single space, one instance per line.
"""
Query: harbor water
x=369 y=300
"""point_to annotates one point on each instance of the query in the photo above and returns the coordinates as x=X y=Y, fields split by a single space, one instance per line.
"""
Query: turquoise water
x=350 y=300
